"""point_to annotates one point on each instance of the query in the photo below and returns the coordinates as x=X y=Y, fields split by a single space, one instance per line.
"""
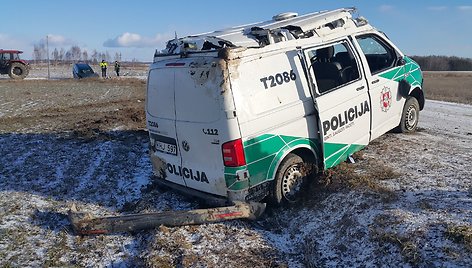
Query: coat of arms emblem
x=385 y=99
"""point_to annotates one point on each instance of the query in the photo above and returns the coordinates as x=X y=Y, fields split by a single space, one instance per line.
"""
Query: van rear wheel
x=290 y=179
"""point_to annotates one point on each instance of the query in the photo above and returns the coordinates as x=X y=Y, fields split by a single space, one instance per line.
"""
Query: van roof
x=282 y=27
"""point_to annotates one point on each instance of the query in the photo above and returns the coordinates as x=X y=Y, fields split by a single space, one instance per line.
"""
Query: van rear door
x=191 y=91
x=160 y=113
x=201 y=124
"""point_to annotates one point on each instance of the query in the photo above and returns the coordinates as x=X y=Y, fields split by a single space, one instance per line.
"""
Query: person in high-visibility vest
x=103 y=66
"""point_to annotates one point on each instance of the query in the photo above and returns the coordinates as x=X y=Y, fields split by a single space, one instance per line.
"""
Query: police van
x=249 y=112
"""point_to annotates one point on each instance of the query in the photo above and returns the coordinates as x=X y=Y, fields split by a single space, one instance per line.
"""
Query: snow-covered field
x=407 y=201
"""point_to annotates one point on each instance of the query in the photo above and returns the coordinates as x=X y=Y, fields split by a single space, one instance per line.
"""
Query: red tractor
x=11 y=64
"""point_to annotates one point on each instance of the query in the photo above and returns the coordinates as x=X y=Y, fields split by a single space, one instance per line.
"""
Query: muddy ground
x=407 y=201
x=41 y=106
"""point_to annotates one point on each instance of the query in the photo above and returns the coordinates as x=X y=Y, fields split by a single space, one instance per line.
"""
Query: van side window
x=380 y=56
x=334 y=66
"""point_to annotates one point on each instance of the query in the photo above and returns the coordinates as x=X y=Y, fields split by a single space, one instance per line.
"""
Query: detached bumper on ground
x=85 y=224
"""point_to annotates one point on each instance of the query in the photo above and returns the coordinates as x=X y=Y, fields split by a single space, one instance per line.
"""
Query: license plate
x=166 y=147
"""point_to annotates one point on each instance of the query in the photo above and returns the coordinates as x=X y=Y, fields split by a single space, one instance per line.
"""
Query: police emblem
x=385 y=99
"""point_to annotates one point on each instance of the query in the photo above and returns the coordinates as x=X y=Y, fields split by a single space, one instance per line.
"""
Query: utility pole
x=47 y=51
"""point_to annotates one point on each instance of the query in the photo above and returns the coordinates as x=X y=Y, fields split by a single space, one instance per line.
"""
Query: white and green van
x=247 y=112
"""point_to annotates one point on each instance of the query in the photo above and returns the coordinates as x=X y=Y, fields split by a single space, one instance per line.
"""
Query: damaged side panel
x=275 y=111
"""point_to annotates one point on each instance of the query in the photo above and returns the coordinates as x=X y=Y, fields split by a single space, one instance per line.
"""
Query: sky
x=137 y=28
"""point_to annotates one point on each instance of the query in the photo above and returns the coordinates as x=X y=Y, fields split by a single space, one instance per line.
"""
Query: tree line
x=73 y=54
x=443 y=63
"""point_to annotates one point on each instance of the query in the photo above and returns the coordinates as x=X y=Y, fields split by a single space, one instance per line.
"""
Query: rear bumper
x=209 y=199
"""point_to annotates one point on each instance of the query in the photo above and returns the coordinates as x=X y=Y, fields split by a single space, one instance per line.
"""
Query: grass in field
x=382 y=231
x=461 y=234
x=366 y=174
x=448 y=86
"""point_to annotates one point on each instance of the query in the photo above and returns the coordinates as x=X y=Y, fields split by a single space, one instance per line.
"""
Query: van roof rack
x=282 y=27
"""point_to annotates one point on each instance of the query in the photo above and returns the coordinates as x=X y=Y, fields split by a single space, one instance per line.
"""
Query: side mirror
x=401 y=61
x=404 y=88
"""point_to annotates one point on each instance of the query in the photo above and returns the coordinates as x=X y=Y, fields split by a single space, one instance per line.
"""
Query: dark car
x=83 y=70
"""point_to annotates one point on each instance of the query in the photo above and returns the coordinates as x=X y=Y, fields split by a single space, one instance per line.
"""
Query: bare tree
x=76 y=53
x=68 y=56
x=102 y=56
x=39 y=52
x=95 y=56
x=118 y=56
x=55 y=56
x=61 y=54
x=36 y=54
x=85 y=55
x=134 y=61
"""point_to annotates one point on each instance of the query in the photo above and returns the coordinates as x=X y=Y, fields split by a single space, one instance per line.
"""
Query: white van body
x=225 y=110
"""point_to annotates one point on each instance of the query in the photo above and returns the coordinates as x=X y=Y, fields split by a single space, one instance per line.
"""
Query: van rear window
x=160 y=94
x=184 y=94
x=197 y=97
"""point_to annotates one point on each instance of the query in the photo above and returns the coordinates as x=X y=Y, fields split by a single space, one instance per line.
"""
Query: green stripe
x=311 y=143
x=415 y=77
x=262 y=155
x=396 y=74
x=261 y=147
x=232 y=170
x=336 y=153
x=230 y=178
x=411 y=68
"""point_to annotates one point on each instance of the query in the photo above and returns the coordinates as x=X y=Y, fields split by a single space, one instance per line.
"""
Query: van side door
x=384 y=68
x=341 y=99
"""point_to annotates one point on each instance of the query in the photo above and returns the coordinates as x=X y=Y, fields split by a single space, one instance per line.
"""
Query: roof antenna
x=356 y=12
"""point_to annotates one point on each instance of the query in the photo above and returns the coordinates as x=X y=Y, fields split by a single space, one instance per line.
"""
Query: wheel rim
x=17 y=71
x=411 y=118
x=292 y=183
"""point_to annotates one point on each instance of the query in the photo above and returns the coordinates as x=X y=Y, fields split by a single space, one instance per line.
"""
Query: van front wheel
x=290 y=180
x=410 y=116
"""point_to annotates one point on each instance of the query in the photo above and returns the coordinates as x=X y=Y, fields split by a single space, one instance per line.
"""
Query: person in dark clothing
x=117 y=68
x=103 y=66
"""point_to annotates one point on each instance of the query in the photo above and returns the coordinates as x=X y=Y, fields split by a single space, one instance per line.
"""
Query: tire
x=18 y=71
x=410 y=116
x=290 y=180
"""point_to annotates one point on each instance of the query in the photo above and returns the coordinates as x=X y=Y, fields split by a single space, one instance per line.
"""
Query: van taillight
x=233 y=153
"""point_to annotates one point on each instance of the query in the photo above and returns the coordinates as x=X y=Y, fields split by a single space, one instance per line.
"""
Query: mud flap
x=85 y=224
x=404 y=88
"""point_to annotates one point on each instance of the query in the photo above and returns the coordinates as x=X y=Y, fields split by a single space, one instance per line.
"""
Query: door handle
x=360 y=88
x=375 y=81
